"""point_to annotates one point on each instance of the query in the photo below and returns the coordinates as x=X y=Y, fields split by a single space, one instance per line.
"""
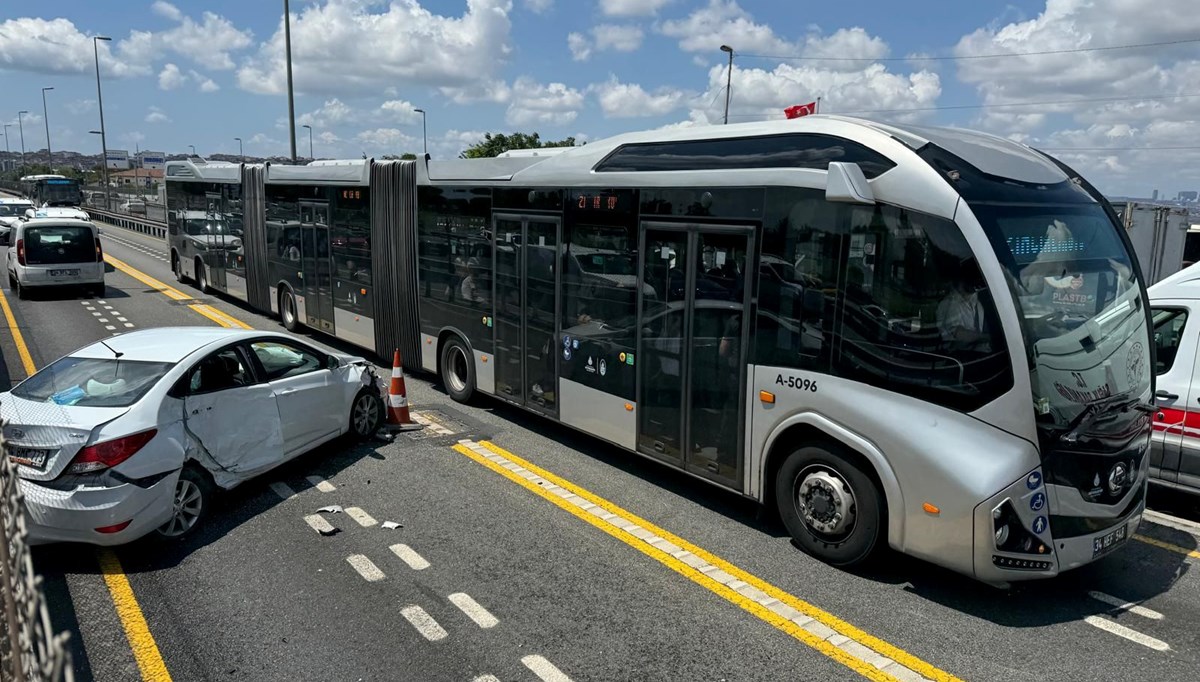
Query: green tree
x=495 y=145
x=406 y=156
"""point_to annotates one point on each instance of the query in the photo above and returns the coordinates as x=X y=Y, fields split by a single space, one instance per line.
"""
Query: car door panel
x=1177 y=419
x=310 y=408
x=236 y=431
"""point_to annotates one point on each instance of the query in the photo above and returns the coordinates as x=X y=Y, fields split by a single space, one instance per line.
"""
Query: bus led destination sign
x=620 y=201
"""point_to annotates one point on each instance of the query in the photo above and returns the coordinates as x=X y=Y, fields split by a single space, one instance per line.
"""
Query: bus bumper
x=1037 y=544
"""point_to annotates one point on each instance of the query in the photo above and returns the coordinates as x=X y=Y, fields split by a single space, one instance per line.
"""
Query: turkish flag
x=800 y=110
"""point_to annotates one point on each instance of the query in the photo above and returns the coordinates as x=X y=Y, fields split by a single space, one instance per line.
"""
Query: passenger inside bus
x=470 y=289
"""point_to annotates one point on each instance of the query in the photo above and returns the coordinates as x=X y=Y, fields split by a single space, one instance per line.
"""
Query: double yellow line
x=176 y=295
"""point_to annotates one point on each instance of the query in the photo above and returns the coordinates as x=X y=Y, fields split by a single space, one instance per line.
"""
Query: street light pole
x=424 y=135
x=137 y=168
x=287 y=43
x=100 y=102
x=310 y=148
x=6 y=149
x=728 y=81
x=21 y=128
x=46 y=118
x=103 y=163
x=240 y=152
x=193 y=149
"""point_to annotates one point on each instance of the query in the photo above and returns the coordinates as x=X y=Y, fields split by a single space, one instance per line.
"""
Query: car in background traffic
x=50 y=251
x=134 y=206
x=12 y=211
x=1175 y=445
x=133 y=434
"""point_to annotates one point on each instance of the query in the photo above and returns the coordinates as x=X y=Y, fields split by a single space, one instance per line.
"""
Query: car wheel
x=177 y=267
x=831 y=507
x=202 y=277
x=98 y=290
x=21 y=292
x=287 y=311
x=366 y=414
x=457 y=369
x=190 y=504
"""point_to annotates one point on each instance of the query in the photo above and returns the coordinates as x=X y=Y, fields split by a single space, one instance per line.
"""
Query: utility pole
x=240 y=152
x=46 y=118
x=728 y=81
x=21 y=128
x=100 y=102
x=287 y=43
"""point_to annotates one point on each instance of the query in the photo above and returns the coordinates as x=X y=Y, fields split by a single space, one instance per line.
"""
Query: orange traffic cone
x=398 y=418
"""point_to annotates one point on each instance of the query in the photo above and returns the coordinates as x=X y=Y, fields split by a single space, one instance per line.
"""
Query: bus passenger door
x=316 y=268
x=526 y=290
x=214 y=244
x=692 y=341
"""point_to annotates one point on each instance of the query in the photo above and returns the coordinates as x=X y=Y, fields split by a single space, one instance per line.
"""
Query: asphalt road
x=260 y=596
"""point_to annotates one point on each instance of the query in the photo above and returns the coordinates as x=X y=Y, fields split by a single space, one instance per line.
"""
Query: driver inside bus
x=960 y=316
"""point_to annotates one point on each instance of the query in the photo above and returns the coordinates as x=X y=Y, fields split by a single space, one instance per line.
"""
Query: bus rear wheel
x=457 y=370
x=831 y=507
x=202 y=277
x=287 y=311
x=177 y=268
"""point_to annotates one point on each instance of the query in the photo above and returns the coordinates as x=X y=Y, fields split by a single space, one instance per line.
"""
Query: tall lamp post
x=46 y=118
x=21 y=128
x=424 y=135
x=728 y=81
x=240 y=152
x=137 y=168
x=310 y=148
x=100 y=102
x=6 y=149
x=287 y=43
x=193 y=147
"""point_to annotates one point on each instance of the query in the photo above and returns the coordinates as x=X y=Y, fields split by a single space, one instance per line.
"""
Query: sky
x=204 y=73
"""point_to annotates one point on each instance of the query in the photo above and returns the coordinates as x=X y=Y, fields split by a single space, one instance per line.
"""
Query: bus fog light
x=1002 y=535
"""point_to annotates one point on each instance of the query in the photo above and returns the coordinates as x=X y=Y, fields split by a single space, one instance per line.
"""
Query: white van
x=51 y=252
x=1175 y=447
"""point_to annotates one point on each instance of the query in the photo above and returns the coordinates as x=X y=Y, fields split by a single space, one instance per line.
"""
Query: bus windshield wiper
x=1115 y=403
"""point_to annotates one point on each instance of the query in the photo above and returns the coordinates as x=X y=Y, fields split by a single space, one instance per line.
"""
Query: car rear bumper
x=74 y=515
x=39 y=276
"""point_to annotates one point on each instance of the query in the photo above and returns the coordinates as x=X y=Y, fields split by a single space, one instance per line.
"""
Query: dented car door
x=230 y=420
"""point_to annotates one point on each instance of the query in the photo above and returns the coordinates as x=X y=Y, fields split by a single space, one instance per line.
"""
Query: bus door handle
x=1165 y=395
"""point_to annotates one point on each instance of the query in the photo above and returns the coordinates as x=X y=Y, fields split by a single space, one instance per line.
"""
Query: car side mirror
x=332 y=362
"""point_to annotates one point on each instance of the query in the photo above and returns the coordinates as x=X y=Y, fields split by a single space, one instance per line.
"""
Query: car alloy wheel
x=188 y=506
x=366 y=415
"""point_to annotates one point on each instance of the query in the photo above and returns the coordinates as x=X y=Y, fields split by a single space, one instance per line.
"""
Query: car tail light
x=109 y=453
x=117 y=528
x=99 y=251
x=21 y=251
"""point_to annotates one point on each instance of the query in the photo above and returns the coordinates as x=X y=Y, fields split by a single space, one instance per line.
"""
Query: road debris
x=391 y=525
x=331 y=509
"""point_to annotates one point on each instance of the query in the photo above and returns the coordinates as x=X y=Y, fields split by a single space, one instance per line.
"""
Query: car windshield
x=1079 y=300
x=92 y=382
x=9 y=210
x=53 y=245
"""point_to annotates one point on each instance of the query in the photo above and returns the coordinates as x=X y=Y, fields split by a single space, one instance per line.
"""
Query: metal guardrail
x=30 y=650
x=154 y=228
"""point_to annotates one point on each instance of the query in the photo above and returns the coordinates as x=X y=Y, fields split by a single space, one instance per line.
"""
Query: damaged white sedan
x=133 y=434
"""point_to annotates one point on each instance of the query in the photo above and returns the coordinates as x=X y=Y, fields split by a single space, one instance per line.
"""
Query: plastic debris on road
x=391 y=525
x=331 y=509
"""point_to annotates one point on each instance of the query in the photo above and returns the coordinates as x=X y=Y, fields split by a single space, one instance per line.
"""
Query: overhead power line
x=1111 y=149
x=1091 y=100
x=951 y=58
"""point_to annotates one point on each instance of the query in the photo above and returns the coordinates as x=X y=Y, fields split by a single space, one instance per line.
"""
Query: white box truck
x=1159 y=234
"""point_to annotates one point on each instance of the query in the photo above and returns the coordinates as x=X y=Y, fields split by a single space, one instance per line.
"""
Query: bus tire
x=288 y=314
x=177 y=268
x=457 y=370
x=832 y=508
x=202 y=277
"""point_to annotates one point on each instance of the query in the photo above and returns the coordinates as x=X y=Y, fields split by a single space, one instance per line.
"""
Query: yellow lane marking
x=1167 y=546
x=18 y=339
x=221 y=318
x=145 y=651
x=762 y=612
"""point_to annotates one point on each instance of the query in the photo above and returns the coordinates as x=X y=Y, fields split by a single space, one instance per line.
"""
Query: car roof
x=14 y=200
x=169 y=344
x=57 y=222
x=1184 y=284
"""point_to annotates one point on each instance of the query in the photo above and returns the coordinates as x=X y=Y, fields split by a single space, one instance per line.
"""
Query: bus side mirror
x=846 y=184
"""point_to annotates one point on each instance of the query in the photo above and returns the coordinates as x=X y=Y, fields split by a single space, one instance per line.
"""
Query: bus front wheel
x=287 y=311
x=457 y=369
x=831 y=507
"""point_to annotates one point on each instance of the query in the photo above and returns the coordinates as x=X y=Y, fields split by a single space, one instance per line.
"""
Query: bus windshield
x=59 y=193
x=1079 y=300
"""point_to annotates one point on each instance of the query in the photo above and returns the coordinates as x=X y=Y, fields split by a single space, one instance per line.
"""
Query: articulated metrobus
x=924 y=338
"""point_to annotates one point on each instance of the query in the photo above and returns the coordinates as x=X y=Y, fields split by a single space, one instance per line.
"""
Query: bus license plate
x=1109 y=541
x=64 y=273
x=30 y=457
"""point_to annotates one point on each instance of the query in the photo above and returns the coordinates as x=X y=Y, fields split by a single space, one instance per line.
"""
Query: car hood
x=63 y=430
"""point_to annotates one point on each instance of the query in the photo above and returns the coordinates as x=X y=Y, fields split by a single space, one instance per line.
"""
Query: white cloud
x=631 y=8
x=209 y=43
x=171 y=78
x=166 y=10
x=629 y=100
x=204 y=83
x=620 y=38
x=580 y=47
x=496 y=91
x=346 y=48
x=539 y=6
x=57 y=47
x=332 y=112
x=615 y=37
x=133 y=137
x=386 y=141
x=81 y=106
x=724 y=22
x=534 y=103
x=399 y=111
x=156 y=115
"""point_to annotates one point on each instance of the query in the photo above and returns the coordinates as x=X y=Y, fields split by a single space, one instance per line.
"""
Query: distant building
x=117 y=159
x=9 y=165
x=1154 y=197
x=151 y=160
x=132 y=177
x=1189 y=197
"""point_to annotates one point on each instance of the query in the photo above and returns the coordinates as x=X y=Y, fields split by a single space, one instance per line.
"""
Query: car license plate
x=1109 y=541
x=64 y=273
x=30 y=457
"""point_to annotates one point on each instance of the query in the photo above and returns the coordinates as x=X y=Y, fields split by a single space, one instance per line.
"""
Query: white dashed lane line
x=153 y=253
x=283 y=490
x=365 y=567
x=424 y=623
x=486 y=678
x=1126 y=605
x=482 y=617
x=409 y=556
x=105 y=313
x=544 y=669
x=319 y=524
x=1128 y=633
x=364 y=519
x=321 y=484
